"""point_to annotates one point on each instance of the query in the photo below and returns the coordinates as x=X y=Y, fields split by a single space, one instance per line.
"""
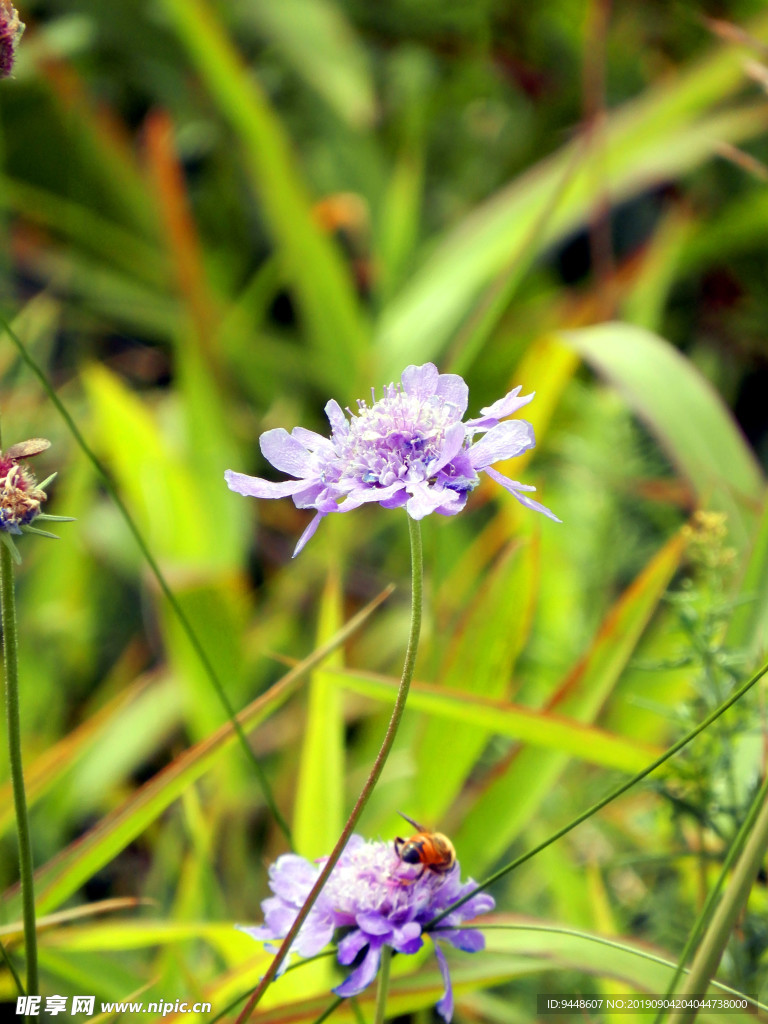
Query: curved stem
x=417 y=592
x=10 y=663
x=383 y=985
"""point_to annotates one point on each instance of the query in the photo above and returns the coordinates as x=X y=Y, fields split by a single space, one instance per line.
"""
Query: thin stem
x=701 y=921
x=417 y=591
x=608 y=798
x=710 y=951
x=14 y=973
x=383 y=985
x=10 y=662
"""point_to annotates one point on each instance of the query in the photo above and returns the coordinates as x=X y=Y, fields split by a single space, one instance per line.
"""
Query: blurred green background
x=217 y=215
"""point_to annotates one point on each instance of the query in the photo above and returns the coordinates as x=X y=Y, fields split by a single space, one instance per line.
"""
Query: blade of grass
x=13 y=932
x=734 y=899
x=643 y=968
x=182 y=240
x=318 y=806
x=684 y=412
x=322 y=47
x=539 y=728
x=705 y=913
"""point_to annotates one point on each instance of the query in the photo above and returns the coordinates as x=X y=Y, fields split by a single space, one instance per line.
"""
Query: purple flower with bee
x=373 y=898
x=411 y=448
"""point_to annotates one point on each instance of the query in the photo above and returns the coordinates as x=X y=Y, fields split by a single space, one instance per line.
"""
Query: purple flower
x=409 y=448
x=376 y=900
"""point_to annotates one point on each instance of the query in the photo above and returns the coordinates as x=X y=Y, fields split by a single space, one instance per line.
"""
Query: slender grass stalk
x=710 y=951
x=329 y=1010
x=13 y=716
x=382 y=990
x=608 y=798
x=12 y=970
x=354 y=1003
x=165 y=588
x=701 y=921
x=417 y=597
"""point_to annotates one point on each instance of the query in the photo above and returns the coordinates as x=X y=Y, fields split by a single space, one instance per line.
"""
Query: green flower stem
x=701 y=921
x=10 y=662
x=417 y=597
x=710 y=951
x=383 y=985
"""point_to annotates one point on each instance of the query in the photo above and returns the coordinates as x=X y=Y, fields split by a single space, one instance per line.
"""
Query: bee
x=432 y=850
x=26 y=449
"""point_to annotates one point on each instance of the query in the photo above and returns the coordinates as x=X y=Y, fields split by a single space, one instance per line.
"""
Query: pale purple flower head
x=374 y=899
x=409 y=448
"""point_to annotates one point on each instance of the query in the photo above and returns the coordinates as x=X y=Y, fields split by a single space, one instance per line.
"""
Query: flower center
x=396 y=438
x=373 y=878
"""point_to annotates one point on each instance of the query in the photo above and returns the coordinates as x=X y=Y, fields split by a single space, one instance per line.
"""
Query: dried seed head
x=20 y=496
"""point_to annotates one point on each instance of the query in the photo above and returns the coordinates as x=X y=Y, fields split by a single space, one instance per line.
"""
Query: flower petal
x=360 y=495
x=336 y=417
x=452 y=442
x=407 y=939
x=373 y=923
x=278 y=918
x=255 y=487
x=470 y=940
x=291 y=877
x=312 y=441
x=308 y=533
x=350 y=946
x=363 y=975
x=285 y=452
x=453 y=388
x=314 y=935
x=504 y=441
x=445 y=1005
x=425 y=499
x=510 y=403
x=420 y=381
x=512 y=486
x=313 y=496
x=397 y=500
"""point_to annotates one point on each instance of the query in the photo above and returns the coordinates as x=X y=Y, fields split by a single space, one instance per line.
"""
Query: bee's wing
x=26 y=449
x=416 y=825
